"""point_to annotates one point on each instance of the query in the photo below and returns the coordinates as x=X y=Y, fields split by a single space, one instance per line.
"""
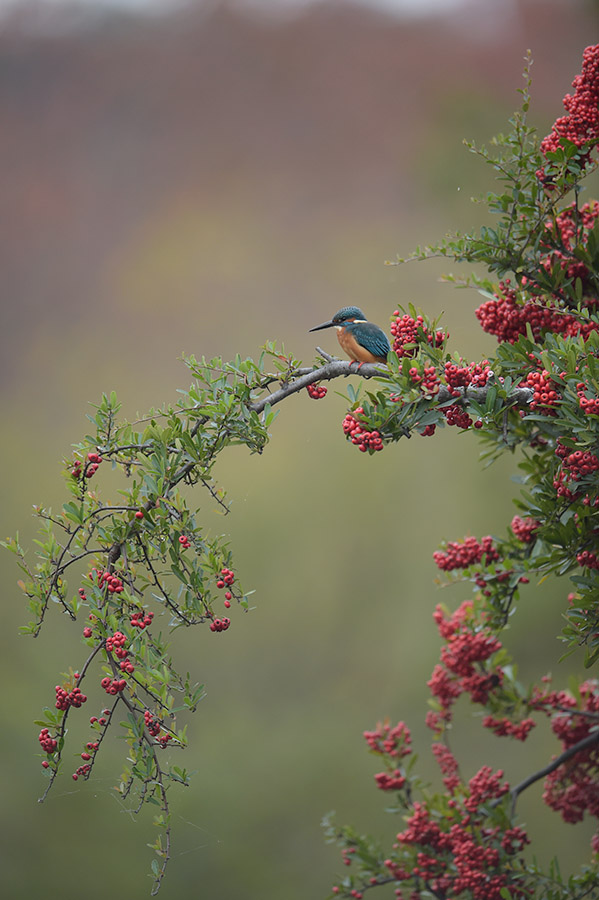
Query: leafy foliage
x=539 y=394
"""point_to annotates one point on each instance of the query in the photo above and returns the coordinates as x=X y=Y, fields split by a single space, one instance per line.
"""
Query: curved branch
x=584 y=744
x=337 y=367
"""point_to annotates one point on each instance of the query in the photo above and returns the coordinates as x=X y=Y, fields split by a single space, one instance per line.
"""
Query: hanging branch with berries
x=466 y=842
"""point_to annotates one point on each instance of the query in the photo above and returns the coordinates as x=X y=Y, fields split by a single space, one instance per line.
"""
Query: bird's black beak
x=328 y=324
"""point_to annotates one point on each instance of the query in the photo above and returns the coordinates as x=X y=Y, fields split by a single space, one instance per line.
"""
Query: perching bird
x=361 y=340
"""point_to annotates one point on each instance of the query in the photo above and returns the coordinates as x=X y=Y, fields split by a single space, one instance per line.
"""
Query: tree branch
x=584 y=744
x=337 y=367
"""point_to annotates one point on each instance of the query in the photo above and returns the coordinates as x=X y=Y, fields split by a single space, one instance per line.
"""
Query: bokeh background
x=202 y=178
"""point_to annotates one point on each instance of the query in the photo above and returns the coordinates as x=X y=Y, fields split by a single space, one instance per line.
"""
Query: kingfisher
x=361 y=340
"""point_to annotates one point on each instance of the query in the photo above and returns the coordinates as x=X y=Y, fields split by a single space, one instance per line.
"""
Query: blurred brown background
x=203 y=178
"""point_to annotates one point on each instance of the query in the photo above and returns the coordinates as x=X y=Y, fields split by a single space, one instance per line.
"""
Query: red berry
x=139 y=514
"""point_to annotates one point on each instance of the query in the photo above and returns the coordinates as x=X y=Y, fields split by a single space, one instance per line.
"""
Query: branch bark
x=335 y=368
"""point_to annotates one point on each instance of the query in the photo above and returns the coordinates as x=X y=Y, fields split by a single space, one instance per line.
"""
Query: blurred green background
x=204 y=181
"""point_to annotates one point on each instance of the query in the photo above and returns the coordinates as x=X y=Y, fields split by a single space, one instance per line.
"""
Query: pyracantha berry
x=65 y=698
x=359 y=435
x=316 y=391
x=409 y=332
x=141 y=619
x=47 y=743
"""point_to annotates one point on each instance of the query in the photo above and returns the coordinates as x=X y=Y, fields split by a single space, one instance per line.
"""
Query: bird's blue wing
x=373 y=338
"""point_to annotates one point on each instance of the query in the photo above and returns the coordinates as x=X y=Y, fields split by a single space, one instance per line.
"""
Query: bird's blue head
x=347 y=314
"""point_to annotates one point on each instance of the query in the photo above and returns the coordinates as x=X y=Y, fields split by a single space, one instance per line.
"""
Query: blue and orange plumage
x=361 y=340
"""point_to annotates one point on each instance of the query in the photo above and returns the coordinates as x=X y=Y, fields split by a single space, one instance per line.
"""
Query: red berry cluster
x=152 y=724
x=467 y=647
x=458 y=376
x=448 y=765
x=360 y=436
x=504 y=727
x=103 y=720
x=347 y=854
x=112 y=581
x=575 y=465
x=461 y=852
x=227 y=578
x=455 y=415
x=394 y=742
x=65 y=698
x=428 y=381
x=355 y=893
x=113 y=685
x=141 y=620
x=587 y=559
x=48 y=744
x=155 y=727
x=589 y=406
x=571 y=789
x=581 y=122
x=390 y=781
x=507 y=317
x=466 y=553
x=86 y=757
x=447 y=856
x=571 y=227
x=220 y=624
x=409 y=332
x=525 y=529
x=184 y=541
x=544 y=393
x=316 y=391
x=115 y=643
x=91 y=466
x=485 y=786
